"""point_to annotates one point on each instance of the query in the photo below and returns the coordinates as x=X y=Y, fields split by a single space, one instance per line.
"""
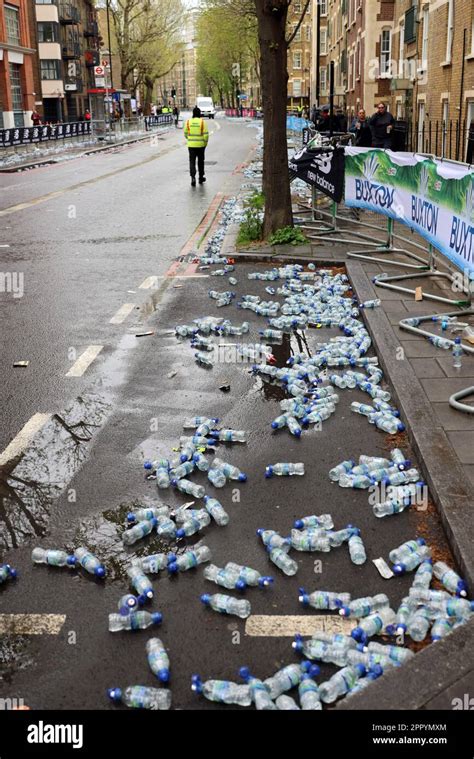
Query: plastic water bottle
x=395 y=653
x=142 y=697
x=190 y=559
x=323 y=599
x=183 y=514
x=449 y=579
x=324 y=521
x=216 y=476
x=419 y=624
x=358 y=481
x=150 y=513
x=402 y=478
x=457 y=353
x=311 y=649
x=441 y=627
x=222 y=691
x=230 y=471
x=404 y=612
x=166 y=528
x=293 y=426
x=389 y=424
x=162 y=478
x=440 y=342
x=391 y=507
x=272 y=539
x=374 y=462
x=230 y=436
x=286 y=703
x=259 y=692
x=216 y=510
x=226 y=578
x=279 y=422
x=187 y=467
x=399 y=459
x=452 y=607
x=153 y=564
x=412 y=561
x=137 y=620
x=363 y=409
x=284 y=470
x=272 y=335
x=308 y=693
x=139 y=531
x=374 y=624
x=52 y=557
x=227 y=604
x=7 y=573
x=201 y=462
x=423 y=575
x=336 y=539
x=357 y=550
x=285 y=679
x=89 y=562
x=158 y=659
x=191 y=526
x=249 y=576
x=371 y=303
x=280 y=558
x=203 y=359
x=310 y=540
x=362 y=607
x=411 y=546
x=127 y=604
x=190 y=488
x=427 y=596
x=341 y=683
x=140 y=583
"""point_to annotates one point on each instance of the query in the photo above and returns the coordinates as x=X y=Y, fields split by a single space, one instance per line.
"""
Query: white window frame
x=472 y=35
x=385 y=54
x=297 y=37
x=323 y=80
x=401 y=47
x=359 y=58
x=324 y=7
x=323 y=41
x=300 y=83
x=426 y=39
x=450 y=32
x=297 y=55
x=12 y=23
x=308 y=33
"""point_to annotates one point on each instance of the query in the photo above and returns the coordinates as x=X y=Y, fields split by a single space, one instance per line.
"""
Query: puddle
x=28 y=487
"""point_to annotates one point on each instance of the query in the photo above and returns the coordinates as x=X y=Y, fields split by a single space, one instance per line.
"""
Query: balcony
x=71 y=50
x=91 y=29
x=68 y=14
x=73 y=84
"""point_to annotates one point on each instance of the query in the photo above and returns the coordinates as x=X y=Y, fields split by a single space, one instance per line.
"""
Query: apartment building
x=182 y=79
x=19 y=78
x=300 y=56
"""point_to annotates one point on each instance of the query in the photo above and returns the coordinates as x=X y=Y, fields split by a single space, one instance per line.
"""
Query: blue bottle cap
x=100 y=571
x=131 y=517
x=242 y=477
x=260 y=530
x=401 y=427
x=358 y=634
x=297 y=433
x=461 y=587
x=265 y=581
x=399 y=569
x=268 y=474
x=361 y=669
x=274 y=426
x=421 y=541
x=173 y=482
x=13 y=573
x=180 y=533
x=115 y=694
x=344 y=611
x=171 y=558
x=163 y=675
x=244 y=673
x=375 y=671
x=240 y=585
x=401 y=629
x=206 y=599
x=434 y=638
x=148 y=465
x=71 y=561
x=183 y=458
x=298 y=524
x=157 y=617
x=196 y=683
x=173 y=568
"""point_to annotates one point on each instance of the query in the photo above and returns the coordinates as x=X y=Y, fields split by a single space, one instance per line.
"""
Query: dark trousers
x=199 y=154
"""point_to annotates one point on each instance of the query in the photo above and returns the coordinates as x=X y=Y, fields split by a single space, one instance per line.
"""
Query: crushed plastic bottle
x=139 y=531
x=190 y=488
x=89 y=562
x=308 y=693
x=151 y=513
x=226 y=578
x=363 y=607
x=285 y=679
x=324 y=521
x=142 y=697
x=249 y=576
x=192 y=526
x=216 y=511
x=374 y=624
x=53 y=558
x=272 y=539
x=407 y=548
x=357 y=550
x=153 y=564
x=227 y=604
x=310 y=540
x=127 y=604
x=341 y=683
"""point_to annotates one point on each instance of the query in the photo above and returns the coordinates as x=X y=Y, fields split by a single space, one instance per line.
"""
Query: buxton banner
x=322 y=168
x=433 y=197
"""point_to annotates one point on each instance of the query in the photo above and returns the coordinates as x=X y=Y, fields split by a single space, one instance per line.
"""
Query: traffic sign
x=105 y=64
x=99 y=71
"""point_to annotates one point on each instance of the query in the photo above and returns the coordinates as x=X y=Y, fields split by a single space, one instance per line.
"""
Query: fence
x=248 y=113
x=17 y=136
x=444 y=139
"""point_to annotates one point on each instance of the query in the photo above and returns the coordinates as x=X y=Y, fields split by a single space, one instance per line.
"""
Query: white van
x=206 y=106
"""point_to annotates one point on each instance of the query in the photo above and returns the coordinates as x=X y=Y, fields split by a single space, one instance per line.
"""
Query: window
x=297 y=8
x=15 y=87
x=359 y=58
x=45 y=2
x=298 y=34
x=424 y=49
x=12 y=24
x=353 y=71
x=297 y=88
x=297 y=59
x=308 y=33
x=385 y=52
x=450 y=33
x=324 y=42
x=47 y=31
x=472 y=36
x=324 y=7
x=50 y=70
x=323 y=78
x=401 y=49
x=410 y=25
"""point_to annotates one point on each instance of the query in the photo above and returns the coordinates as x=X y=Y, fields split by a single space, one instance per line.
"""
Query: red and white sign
x=99 y=70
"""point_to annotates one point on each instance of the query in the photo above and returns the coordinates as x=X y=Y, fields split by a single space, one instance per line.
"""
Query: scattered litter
x=21 y=363
x=144 y=334
x=225 y=388
x=383 y=568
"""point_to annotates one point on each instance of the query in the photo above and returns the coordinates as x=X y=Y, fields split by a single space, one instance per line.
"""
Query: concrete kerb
x=449 y=487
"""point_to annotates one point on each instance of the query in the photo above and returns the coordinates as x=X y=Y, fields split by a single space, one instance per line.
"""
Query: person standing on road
x=197 y=137
x=361 y=128
x=381 y=124
x=176 y=115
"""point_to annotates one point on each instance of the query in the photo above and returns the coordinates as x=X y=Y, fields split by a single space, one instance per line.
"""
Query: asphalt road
x=131 y=403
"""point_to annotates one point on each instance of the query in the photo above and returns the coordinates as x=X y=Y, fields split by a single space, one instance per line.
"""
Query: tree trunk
x=149 y=84
x=272 y=15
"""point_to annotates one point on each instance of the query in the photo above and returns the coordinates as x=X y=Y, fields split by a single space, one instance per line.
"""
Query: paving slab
x=452 y=419
x=439 y=390
x=426 y=367
x=466 y=370
x=463 y=444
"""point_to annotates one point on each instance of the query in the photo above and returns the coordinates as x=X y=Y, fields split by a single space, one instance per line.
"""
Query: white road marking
x=122 y=313
x=24 y=438
x=4 y=246
x=84 y=361
x=149 y=282
x=31 y=624
x=272 y=625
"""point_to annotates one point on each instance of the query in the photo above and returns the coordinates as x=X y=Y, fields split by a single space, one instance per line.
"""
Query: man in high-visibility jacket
x=197 y=137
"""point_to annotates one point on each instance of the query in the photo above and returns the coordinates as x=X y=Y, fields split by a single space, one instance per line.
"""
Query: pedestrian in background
x=381 y=124
x=197 y=137
x=87 y=115
x=360 y=127
x=176 y=115
x=36 y=118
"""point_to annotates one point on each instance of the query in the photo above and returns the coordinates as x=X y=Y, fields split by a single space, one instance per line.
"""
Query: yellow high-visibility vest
x=196 y=133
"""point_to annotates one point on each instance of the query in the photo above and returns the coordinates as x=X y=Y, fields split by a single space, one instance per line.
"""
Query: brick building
x=19 y=81
x=300 y=56
x=183 y=76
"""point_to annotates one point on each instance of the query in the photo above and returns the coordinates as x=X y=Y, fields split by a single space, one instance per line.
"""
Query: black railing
x=68 y=14
x=30 y=135
x=444 y=139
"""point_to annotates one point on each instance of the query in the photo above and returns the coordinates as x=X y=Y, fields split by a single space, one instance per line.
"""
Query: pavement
x=73 y=481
